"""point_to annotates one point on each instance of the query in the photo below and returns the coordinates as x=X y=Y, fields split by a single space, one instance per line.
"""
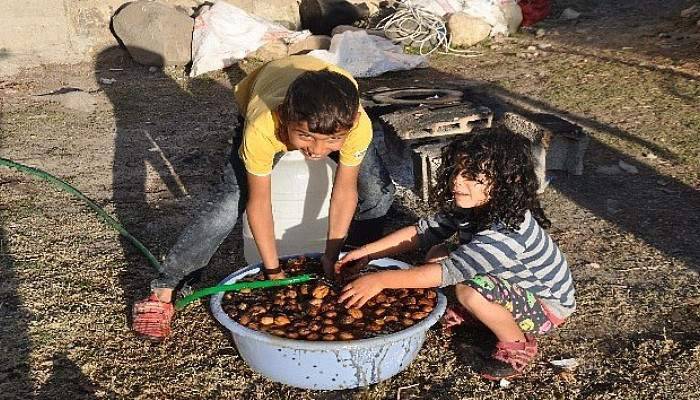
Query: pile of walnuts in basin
x=311 y=311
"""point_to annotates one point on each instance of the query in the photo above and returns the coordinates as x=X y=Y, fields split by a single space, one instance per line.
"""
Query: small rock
x=344 y=28
x=650 y=156
x=669 y=191
x=570 y=13
x=152 y=69
x=609 y=170
x=593 y=265
x=504 y=383
x=272 y=50
x=629 y=168
x=691 y=12
x=531 y=48
x=495 y=47
x=540 y=32
x=466 y=30
x=568 y=364
x=544 y=46
x=107 y=81
x=77 y=100
x=313 y=42
x=612 y=206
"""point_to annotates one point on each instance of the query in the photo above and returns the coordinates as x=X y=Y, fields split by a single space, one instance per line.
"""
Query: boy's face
x=314 y=146
x=470 y=192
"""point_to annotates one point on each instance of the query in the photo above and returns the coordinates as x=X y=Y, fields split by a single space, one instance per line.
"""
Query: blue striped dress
x=526 y=257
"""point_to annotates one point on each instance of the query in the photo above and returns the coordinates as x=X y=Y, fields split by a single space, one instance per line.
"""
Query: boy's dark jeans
x=200 y=240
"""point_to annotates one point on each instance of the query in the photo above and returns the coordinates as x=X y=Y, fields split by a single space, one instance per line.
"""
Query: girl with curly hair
x=507 y=272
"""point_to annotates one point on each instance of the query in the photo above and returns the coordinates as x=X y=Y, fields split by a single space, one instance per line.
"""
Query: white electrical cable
x=418 y=27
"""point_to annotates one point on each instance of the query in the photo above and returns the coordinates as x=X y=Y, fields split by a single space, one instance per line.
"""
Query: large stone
x=466 y=30
x=283 y=12
x=368 y=7
x=154 y=33
x=321 y=16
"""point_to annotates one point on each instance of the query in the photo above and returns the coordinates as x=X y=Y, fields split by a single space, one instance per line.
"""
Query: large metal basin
x=326 y=365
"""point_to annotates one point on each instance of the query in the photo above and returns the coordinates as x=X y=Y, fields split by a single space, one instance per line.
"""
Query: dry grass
x=67 y=281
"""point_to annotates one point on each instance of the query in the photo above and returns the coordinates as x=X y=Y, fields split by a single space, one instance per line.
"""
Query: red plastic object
x=534 y=11
x=151 y=318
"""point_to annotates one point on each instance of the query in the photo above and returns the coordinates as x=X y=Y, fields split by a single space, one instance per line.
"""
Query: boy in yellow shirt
x=297 y=103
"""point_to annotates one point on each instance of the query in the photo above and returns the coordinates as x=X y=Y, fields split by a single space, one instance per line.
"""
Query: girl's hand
x=348 y=258
x=359 y=291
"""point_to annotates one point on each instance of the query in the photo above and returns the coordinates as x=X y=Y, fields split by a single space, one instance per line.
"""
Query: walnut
x=416 y=316
x=330 y=329
x=321 y=291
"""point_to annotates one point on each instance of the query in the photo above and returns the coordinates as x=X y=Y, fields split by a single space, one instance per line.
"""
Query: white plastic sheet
x=366 y=55
x=438 y=7
x=224 y=34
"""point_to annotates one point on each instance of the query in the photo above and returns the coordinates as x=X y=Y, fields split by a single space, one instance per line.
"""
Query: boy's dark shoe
x=510 y=359
x=365 y=231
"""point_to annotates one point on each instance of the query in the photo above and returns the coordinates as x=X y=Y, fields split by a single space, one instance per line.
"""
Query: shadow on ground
x=647 y=205
x=180 y=130
x=646 y=27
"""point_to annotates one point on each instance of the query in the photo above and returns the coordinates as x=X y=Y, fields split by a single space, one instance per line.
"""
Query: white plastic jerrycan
x=301 y=193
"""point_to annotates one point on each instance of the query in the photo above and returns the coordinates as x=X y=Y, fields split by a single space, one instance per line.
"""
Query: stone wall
x=35 y=32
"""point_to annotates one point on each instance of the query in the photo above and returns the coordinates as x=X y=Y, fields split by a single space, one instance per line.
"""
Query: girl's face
x=470 y=192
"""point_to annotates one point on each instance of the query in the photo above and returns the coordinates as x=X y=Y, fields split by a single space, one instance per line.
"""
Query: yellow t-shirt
x=262 y=91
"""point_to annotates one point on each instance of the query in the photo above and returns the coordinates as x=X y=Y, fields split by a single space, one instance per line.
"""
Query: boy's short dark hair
x=327 y=101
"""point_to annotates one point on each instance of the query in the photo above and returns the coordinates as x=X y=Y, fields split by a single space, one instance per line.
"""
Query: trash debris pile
x=366 y=37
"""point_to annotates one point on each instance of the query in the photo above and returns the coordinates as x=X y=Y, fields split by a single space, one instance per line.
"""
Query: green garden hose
x=151 y=258
x=75 y=192
x=295 y=280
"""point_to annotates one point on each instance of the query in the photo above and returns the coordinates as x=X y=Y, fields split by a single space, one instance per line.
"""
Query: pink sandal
x=152 y=317
x=510 y=359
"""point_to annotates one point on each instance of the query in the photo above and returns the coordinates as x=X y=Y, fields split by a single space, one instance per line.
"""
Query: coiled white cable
x=420 y=28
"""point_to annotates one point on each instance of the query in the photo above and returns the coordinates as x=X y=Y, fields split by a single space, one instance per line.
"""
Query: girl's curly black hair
x=505 y=158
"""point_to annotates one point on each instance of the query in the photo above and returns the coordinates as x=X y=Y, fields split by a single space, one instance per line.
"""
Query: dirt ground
x=153 y=147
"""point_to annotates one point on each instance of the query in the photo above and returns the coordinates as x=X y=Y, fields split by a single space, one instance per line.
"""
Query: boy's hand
x=359 y=291
x=279 y=275
x=327 y=263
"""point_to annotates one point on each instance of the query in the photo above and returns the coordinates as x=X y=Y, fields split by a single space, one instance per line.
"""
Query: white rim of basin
x=241 y=330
